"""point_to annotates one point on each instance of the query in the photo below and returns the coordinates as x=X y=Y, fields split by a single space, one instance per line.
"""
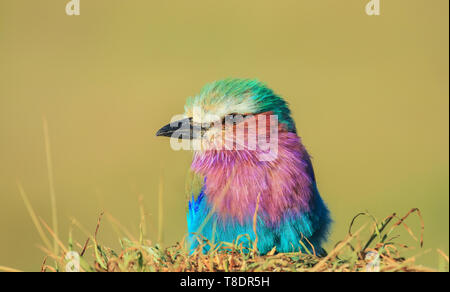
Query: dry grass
x=136 y=254
x=347 y=256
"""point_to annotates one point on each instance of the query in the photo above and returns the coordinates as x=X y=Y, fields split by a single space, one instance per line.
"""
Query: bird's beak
x=182 y=129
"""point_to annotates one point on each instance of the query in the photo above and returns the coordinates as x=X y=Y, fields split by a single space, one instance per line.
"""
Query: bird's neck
x=235 y=179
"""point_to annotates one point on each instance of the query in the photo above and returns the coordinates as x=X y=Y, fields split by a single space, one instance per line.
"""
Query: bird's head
x=227 y=102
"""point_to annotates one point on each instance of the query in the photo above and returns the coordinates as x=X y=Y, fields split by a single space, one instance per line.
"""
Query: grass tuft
x=349 y=255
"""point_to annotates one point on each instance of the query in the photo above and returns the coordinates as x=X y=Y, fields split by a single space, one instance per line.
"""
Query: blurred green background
x=369 y=94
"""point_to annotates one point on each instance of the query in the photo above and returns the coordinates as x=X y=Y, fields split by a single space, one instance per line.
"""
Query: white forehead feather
x=211 y=110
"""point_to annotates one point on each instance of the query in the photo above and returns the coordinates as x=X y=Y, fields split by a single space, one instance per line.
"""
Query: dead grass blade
x=255 y=218
x=443 y=254
x=11 y=270
x=33 y=216
x=336 y=250
x=51 y=182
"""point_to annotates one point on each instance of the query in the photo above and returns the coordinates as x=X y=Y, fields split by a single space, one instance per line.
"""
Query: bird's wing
x=309 y=168
x=194 y=185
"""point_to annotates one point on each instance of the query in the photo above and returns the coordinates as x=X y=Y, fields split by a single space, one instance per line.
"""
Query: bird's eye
x=233 y=118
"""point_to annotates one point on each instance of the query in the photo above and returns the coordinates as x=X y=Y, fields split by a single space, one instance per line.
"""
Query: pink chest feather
x=234 y=179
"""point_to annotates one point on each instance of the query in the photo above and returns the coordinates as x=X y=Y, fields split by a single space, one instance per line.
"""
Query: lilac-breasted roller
x=249 y=181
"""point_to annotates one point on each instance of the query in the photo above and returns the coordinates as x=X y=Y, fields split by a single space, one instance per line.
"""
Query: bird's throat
x=235 y=179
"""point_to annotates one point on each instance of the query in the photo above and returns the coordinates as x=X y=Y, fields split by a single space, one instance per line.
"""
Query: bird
x=249 y=192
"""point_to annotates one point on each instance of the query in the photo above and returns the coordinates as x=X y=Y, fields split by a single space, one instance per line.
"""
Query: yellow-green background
x=369 y=95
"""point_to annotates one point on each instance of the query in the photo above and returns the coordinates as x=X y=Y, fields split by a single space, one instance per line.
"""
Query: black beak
x=182 y=129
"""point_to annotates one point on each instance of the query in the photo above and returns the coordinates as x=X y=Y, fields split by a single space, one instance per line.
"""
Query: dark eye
x=233 y=118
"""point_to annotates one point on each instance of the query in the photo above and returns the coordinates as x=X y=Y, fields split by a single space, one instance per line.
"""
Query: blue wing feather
x=286 y=236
